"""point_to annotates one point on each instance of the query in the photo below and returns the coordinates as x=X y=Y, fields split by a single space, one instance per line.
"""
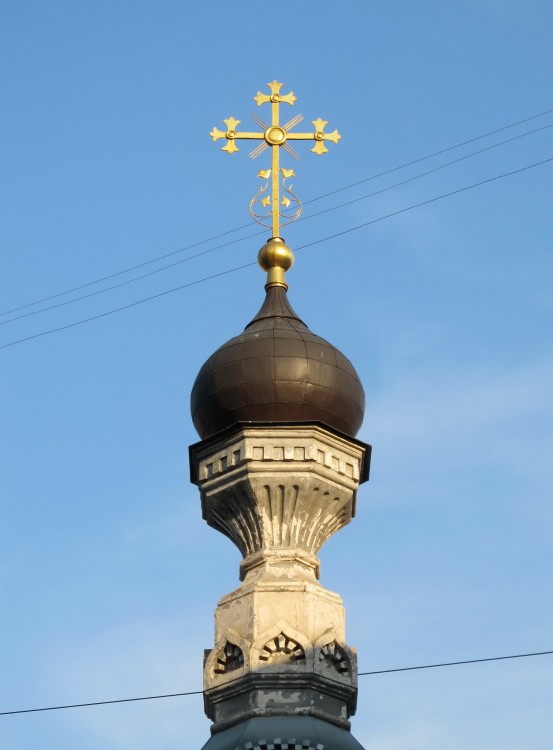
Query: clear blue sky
x=108 y=576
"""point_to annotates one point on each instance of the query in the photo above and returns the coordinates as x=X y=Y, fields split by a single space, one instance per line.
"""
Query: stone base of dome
x=306 y=474
x=279 y=492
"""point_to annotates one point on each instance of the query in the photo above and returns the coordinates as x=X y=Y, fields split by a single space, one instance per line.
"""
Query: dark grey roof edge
x=283 y=733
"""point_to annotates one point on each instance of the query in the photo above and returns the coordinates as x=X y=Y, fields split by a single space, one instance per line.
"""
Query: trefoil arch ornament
x=282 y=650
x=336 y=660
x=229 y=656
x=333 y=655
x=229 y=659
x=281 y=647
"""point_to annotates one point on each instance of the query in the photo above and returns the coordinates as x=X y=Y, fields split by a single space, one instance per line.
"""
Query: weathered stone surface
x=279 y=493
x=279 y=487
x=284 y=694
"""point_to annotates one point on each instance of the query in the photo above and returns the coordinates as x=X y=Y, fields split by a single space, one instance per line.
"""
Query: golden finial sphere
x=275 y=254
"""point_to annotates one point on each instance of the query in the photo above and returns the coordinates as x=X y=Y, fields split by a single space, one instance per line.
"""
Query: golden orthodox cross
x=275 y=136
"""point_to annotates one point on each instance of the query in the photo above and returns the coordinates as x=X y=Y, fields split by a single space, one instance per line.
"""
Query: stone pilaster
x=279 y=493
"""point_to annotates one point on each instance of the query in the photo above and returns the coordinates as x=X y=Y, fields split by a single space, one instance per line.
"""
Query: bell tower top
x=278 y=467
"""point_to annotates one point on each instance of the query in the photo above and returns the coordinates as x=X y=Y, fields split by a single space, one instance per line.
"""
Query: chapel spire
x=278 y=467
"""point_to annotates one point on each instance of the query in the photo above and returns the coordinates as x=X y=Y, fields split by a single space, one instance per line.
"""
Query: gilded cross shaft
x=275 y=136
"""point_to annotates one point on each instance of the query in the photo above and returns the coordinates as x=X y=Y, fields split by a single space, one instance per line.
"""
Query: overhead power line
x=200 y=692
x=430 y=200
x=99 y=703
x=311 y=200
x=129 y=281
x=301 y=247
x=131 y=304
x=430 y=156
x=126 y=270
x=455 y=663
x=257 y=234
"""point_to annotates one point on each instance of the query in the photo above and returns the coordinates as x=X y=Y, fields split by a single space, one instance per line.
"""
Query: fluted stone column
x=279 y=492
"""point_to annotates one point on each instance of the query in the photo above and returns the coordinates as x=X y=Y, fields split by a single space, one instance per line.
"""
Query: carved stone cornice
x=279 y=487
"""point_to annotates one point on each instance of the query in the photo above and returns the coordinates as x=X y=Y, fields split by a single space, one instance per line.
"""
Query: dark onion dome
x=283 y=733
x=278 y=371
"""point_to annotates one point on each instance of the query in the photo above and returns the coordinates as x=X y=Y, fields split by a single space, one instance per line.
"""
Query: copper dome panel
x=277 y=370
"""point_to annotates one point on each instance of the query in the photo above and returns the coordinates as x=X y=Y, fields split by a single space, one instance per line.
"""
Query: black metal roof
x=283 y=733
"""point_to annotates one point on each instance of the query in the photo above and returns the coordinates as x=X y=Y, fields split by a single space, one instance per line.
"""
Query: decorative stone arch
x=280 y=648
x=335 y=659
x=229 y=658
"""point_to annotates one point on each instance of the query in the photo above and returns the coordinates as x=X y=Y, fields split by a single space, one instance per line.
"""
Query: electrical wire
x=301 y=247
x=131 y=304
x=257 y=234
x=424 y=174
x=246 y=226
x=129 y=281
x=200 y=692
x=126 y=270
x=99 y=703
x=429 y=156
x=455 y=663
x=426 y=202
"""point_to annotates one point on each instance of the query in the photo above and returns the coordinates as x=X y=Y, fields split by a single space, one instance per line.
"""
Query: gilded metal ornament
x=286 y=209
